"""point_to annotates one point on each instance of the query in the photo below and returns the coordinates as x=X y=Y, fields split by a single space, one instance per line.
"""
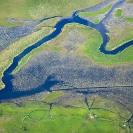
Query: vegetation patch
x=93 y=14
x=53 y=96
x=96 y=21
x=128 y=19
x=118 y=13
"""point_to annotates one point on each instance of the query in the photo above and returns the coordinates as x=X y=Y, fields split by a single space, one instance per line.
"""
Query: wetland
x=66 y=77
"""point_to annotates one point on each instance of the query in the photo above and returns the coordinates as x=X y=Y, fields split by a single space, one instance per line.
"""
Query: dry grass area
x=2 y=130
x=48 y=23
x=38 y=9
x=129 y=1
x=14 y=49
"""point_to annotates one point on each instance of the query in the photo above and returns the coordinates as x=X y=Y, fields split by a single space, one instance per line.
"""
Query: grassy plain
x=17 y=47
x=38 y=9
x=93 y=14
x=118 y=13
x=38 y=117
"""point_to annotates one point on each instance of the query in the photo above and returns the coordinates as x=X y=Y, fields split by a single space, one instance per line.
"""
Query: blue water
x=8 y=93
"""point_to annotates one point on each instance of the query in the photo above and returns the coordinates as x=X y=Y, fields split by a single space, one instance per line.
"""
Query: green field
x=93 y=14
x=38 y=9
x=33 y=117
x=118 y=13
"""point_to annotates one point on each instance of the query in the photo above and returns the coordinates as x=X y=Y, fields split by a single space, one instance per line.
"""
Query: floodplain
x=66 y=84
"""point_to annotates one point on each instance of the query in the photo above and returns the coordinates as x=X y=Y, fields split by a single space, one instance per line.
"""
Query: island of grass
x=96 y=21
x=118 y=13
x=33 y=117
x=93 y=14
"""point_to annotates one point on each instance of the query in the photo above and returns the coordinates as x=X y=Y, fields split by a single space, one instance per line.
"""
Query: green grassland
x=118 y=13
x=38 y=9
x=33 y=117
x=17 y=47
x=93 y=14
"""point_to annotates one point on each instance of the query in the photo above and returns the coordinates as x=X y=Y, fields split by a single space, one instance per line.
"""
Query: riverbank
x=14 y=49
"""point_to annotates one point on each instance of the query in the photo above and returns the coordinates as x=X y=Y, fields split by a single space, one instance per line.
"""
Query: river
x=8 y=93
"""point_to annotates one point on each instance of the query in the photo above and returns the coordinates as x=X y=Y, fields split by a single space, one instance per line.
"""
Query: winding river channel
x=8 y=93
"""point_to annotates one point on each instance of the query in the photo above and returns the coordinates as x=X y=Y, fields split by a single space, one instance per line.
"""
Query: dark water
x=7 y=92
